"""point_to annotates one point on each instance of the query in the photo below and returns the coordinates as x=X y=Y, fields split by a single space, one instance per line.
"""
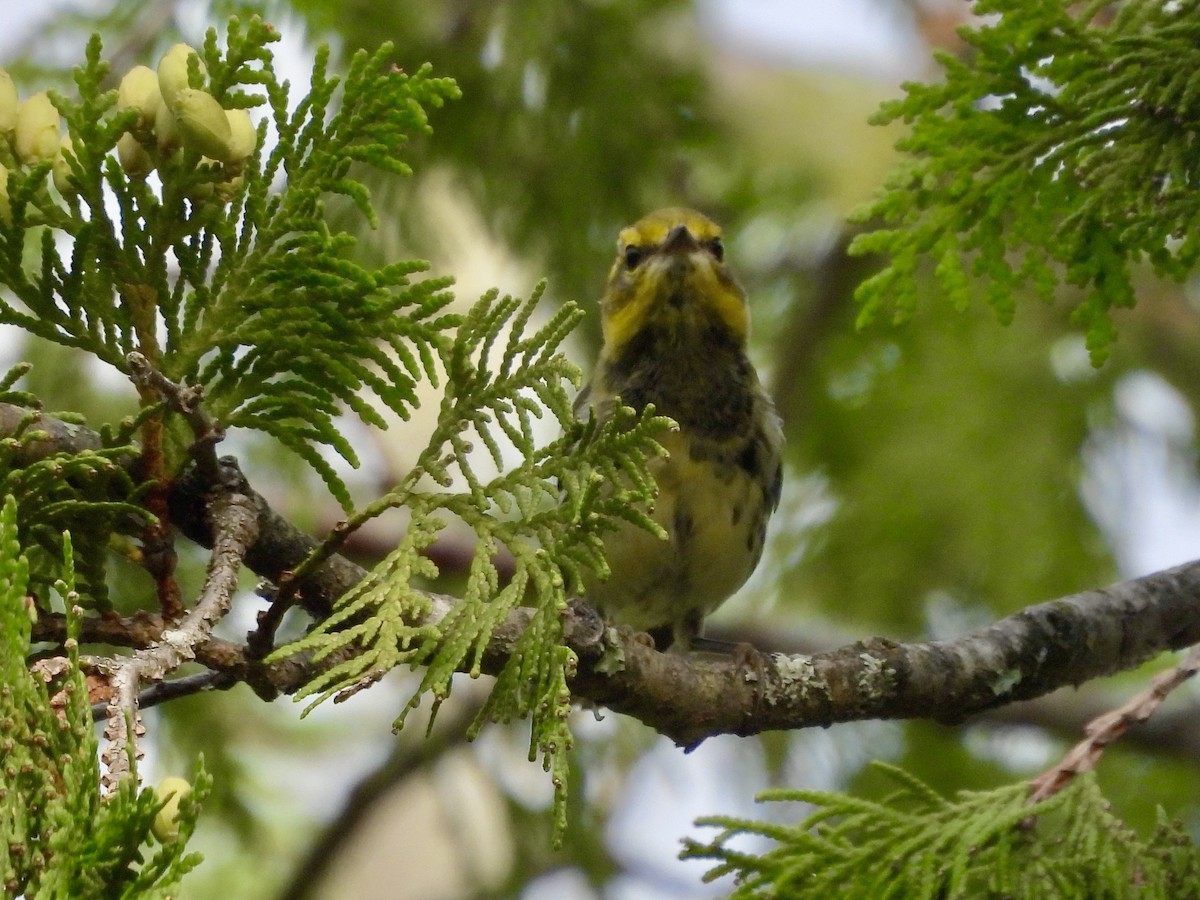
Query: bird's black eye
x=716 y=248
x=633 y=256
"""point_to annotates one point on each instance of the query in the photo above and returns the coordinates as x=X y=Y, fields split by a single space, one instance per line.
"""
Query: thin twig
x=261 y=641
x=236 y=529
x=1109 y=727
x=165 y=691
x=159 y=558
x=187 y=400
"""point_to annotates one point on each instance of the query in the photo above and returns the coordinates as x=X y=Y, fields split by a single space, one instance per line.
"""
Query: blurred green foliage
x=578 y=116
x=951 y=446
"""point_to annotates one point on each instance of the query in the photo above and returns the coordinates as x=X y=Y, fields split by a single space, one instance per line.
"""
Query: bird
x=675 y=325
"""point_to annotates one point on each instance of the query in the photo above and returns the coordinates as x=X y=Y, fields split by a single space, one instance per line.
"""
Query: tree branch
x=1107 y=728
x=57 y=436
x=235 y=530
x=187 y=401
x=693 y=696
x=173 y=689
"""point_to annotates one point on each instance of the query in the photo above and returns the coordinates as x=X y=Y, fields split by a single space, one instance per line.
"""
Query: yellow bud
x=166 y=824
x=133 y=156
x=243 y=137
x=173 y=72
x=202 y=122
x=139 y=90
x=64 y=178
x=5 y=206
x=9 y=103
x=166 y=131
x=37 y=136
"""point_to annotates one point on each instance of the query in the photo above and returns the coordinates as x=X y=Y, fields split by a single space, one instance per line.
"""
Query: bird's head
x=670 y=272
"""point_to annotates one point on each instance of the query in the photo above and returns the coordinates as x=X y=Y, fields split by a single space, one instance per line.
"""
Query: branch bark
x=693 y=696
x=234 y=528
x=1111 y=726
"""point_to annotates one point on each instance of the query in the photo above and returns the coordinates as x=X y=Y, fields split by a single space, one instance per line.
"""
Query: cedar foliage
x=1054 y=158
x=231 y=280
x=1059 y=151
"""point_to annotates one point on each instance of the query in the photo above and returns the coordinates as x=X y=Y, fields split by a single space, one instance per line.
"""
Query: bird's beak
x=679 y=240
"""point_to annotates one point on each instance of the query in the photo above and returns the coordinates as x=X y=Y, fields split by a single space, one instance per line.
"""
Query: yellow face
x=670 y=271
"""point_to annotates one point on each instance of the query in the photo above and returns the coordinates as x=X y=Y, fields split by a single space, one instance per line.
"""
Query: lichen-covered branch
x=1042 y=648
x=693 y=696
x=234 y=530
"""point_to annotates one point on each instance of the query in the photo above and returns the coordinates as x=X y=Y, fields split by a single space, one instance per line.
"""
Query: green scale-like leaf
x=1060 y=152
x=917 y=844
x=549 y=511
x=58 y=836
x=239 y=287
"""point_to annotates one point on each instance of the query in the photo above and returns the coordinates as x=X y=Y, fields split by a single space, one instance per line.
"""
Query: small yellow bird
x=675 y=326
